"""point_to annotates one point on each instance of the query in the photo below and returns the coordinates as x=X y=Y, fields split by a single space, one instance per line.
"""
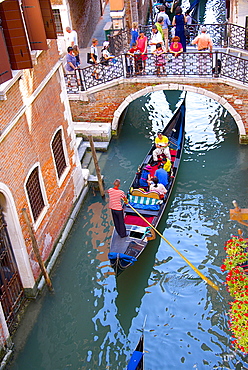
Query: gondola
x=136 y=361
x=125 y=251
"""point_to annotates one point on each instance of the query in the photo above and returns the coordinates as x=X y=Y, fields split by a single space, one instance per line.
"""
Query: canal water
x=93 y=320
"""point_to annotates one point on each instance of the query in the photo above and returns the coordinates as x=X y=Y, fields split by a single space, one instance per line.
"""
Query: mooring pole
x=98 y=171
x=36 y=250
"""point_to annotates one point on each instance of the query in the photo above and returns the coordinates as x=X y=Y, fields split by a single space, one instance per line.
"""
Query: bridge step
x=83 y=145
x=101 y=146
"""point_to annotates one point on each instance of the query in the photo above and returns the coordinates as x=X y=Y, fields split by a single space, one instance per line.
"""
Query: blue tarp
x=147 y=207
x=123 y=257
x=135 y=360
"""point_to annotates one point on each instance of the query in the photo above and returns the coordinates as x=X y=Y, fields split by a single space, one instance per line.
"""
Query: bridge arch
x=199 y=90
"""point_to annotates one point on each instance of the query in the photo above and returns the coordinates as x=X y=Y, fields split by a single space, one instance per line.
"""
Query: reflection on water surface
x=93 y=321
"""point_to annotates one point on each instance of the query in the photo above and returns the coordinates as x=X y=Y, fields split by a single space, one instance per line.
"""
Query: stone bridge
x=104 y=104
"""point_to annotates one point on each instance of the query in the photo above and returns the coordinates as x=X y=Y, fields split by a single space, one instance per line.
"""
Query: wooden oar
x=180 y=254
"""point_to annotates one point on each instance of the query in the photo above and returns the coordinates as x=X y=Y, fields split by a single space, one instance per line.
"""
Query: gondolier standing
x=115 y=197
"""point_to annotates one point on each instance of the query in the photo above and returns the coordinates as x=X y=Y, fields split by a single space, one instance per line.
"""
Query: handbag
x=104 y=61
x=89 y=59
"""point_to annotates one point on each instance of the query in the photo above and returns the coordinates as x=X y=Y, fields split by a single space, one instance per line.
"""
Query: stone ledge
x=243 y=139
x=99 y=131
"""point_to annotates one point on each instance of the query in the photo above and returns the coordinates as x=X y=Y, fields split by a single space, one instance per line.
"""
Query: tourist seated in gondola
x=166 y=164
x=156 y=186
x=162 y=175
x=162 y=147
x=145 y=177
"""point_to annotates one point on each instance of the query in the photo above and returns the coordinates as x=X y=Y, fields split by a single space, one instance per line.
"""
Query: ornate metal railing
x=234 y=67
x=198 y=64
x=119 y=41
x=237 y=36
x=95 y=75
x=11 y=290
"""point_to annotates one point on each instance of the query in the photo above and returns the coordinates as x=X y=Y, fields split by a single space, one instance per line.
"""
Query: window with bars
x=35 y=194
x=58 y=152
x=58 y=23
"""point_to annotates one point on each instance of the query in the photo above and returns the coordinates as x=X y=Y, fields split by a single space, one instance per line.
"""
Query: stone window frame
x=43 y=212
x=61 y=178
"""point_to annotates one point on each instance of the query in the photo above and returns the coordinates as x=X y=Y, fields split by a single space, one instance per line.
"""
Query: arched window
x=58 y=153
x=35 y=194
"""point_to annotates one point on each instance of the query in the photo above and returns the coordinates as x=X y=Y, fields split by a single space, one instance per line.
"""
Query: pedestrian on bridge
x=165 y=25
x=94 y=58
x=203 y=41
x=142 y=46
x=156 y=38
x=71 y=37
x=204 y=44
x=71 y=66
x=134 y=33
x=179 y=21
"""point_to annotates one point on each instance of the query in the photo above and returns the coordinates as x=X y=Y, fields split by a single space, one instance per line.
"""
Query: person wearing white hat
x=106 y=56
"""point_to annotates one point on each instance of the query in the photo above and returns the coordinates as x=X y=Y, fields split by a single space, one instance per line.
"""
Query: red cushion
x=136 y=220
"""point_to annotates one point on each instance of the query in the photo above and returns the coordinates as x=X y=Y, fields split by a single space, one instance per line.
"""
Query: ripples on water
x=93 y=321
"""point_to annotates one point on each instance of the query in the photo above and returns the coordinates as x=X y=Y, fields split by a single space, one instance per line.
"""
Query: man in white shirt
x=71 y=37
x=156 y=38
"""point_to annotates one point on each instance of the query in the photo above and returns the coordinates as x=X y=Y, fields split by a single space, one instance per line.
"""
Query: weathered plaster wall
x=84 y=14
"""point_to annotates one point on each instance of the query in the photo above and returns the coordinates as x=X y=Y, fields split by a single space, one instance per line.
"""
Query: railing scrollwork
x=189 y=64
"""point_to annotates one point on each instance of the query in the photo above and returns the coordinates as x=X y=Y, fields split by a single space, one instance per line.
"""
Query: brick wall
x=29 y=142
x=103 y=104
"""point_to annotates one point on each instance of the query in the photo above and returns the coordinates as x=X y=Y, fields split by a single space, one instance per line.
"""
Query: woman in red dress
x=142 y=46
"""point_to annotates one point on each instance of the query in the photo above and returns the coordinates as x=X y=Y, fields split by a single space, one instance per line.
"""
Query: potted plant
x=237 y=285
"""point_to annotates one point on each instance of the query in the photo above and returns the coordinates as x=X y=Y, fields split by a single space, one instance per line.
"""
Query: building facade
x=40 y=172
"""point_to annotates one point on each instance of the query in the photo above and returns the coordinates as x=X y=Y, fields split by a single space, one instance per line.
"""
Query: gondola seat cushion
x=144 y=203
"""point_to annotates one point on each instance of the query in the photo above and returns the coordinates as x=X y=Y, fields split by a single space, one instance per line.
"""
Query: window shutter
x=58 y=152
x=48 y=19
x=15 y=35
x=34 y=24
x=5 y=69
x=34 y=193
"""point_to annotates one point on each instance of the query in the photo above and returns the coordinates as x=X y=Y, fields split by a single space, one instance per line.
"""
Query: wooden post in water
x=98 y=172
x=36 y=250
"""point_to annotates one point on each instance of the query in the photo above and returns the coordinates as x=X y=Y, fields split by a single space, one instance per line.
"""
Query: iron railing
x=11 y=290
x=95 y=75
x=189 y=64
x=119 y=41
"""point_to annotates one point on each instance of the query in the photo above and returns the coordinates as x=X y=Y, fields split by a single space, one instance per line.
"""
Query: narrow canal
x=93 y=321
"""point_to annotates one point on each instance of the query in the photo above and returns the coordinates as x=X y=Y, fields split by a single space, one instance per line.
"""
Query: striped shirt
x=115 y=196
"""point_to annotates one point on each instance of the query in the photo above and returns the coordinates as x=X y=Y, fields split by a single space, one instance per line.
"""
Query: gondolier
x=115 y=197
